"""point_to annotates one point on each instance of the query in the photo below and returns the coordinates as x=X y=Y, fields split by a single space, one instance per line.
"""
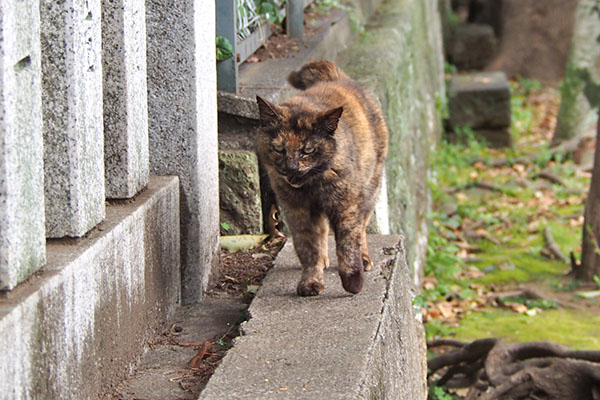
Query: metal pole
x=295 y=18
x=227 y=70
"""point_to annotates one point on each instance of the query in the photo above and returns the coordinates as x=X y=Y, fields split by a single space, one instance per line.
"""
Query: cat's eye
x=278 y=147
x=308 y=150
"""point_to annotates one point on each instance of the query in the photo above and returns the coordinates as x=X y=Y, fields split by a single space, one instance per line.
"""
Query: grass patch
x=576 y=329
x=510 y=216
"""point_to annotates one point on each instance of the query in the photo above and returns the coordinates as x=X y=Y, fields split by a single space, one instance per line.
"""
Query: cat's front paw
x=352 y=281
x=309 y=288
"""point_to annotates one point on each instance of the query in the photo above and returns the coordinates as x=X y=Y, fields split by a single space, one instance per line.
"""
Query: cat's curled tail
x=314 y=72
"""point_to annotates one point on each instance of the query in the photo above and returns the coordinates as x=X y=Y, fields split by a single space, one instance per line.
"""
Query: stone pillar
x=72 y=113
x=126 y=165
x=182 y=119
x=22 y=239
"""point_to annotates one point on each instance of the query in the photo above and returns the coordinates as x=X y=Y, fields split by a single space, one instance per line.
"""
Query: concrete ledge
x=73 y=331
x=334 y=346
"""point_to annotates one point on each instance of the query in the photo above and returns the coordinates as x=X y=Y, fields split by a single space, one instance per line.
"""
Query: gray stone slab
x=72 y=114
x=239 y=193
x=126 y=166
x=22 y=235
x=78 y=326
x=335 y=345
x=182 y=113
x=480 y=100
x=472 y=46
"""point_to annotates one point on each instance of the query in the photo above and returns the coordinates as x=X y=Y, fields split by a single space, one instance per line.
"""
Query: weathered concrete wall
x=400 y=60
x=75 y=329
x=183 y=126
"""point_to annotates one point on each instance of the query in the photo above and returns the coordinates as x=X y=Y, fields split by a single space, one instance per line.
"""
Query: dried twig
x=545 y=174
x=204 y=351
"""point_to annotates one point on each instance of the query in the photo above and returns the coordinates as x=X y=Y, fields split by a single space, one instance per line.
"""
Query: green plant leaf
x=224 y=50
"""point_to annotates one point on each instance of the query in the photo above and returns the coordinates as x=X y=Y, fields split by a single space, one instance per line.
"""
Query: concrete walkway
x=334 y=346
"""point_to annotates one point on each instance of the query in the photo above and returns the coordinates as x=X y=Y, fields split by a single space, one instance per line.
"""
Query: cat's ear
x=269 y=113
x=328 y=121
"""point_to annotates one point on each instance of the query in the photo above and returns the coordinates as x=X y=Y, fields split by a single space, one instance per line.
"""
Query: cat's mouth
x=296 y=181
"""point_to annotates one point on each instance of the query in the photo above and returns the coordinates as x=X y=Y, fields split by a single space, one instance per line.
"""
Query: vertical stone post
x=22 y=239
x=72 y=113
x=182 y=119
x=126 y=166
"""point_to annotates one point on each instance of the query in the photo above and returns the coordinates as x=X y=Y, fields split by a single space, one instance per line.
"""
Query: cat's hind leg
x=310 y=242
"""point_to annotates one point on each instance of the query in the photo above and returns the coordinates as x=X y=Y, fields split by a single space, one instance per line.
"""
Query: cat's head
x=297 y=140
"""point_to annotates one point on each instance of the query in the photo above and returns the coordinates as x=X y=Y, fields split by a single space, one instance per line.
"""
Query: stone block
x=126 y=166
x=182 y=121
x=239 y=193
x=72 y=114
x=471 y=46
x=22 y=237
x=497 y=138
x=481 y=101
x=84 y=321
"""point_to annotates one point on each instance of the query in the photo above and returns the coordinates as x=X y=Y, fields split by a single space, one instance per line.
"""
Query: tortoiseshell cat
x=324 y=153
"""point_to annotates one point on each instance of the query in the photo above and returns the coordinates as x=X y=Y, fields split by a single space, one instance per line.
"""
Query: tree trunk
x=577 y=110
x=590 y=256
x=535 y=40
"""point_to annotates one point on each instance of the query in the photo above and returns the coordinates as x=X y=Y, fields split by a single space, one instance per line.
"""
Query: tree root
x=495 y=370
x=552 y=247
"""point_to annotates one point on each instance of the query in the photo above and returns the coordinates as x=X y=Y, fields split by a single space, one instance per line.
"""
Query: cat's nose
x=291 y=164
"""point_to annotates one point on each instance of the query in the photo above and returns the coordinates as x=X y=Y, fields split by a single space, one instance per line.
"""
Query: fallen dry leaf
x=480 y=166
x=517 y=307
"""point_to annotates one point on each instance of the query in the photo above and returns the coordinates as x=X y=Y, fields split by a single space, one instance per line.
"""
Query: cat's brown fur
x=324 y=153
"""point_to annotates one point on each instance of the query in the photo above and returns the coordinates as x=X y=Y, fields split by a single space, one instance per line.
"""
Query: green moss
x=570 y=89
x=576 y=329
x=567 y=237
